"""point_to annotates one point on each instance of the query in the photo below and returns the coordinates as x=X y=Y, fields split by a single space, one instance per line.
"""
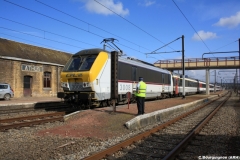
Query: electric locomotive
x=87 y=78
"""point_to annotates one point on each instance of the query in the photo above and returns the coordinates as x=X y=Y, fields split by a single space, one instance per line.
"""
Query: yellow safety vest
x=142 y=88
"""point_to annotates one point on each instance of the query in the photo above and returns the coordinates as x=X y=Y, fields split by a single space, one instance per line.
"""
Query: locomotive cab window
x=81 y=63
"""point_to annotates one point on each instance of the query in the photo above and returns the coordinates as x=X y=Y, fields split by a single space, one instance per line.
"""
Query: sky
x=139 y=27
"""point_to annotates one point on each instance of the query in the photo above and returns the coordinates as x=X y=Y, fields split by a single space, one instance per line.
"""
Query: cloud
x=95 y=7
x=147 y=3
x=229 y=22
x=204 y=35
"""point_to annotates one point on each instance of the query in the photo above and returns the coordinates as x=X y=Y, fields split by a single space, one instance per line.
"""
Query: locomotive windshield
x=80 y=63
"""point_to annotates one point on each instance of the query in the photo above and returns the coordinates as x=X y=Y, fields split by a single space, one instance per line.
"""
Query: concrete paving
x=158 y=116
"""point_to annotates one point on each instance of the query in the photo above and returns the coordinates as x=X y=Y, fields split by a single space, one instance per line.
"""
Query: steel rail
x=7 y=111
x=18 y=110
x=119 y=146
x=192 y=134
x=31 y=117
x=24 y=124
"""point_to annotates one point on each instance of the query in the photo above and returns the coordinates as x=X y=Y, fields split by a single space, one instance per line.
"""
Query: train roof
x=143 y=64
x=127 y=60
x=89 y=51
x=186 y=77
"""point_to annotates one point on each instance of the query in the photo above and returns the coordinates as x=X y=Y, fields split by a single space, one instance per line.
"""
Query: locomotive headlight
x=64 y=85
x=86 y=84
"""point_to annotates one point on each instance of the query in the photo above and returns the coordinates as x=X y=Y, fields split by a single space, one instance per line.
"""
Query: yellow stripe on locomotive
x=82 y=70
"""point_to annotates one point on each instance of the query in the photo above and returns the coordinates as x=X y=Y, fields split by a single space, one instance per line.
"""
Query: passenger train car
x=88 y=79
x=192 y=86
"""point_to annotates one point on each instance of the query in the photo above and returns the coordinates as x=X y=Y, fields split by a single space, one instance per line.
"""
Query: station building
x=30 y=70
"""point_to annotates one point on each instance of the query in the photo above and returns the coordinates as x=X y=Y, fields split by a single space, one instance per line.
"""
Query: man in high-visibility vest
x=140 y=95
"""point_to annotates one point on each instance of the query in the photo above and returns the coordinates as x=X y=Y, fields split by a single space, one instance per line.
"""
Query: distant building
x=31 y=70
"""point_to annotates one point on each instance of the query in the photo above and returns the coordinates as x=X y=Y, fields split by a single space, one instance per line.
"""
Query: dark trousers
x=140 y=104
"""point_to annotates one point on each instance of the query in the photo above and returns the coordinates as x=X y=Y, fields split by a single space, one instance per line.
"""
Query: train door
x=27 y=86
x=134 y=78
x=176 y=85
x=163 y=82
x=199 y=87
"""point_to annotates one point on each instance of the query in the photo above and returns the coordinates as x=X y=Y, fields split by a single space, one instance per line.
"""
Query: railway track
x=167 y=140
x=18 y=122
x=21 y=110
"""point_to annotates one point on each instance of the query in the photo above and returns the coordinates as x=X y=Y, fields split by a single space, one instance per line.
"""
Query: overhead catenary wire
x=54 y=19
x=62 y=22
x=47 y=31
x=165 y=46
x=226 y=45
x=191 y=25
x=163 y=52
x=41 y=37
x=43 y=45
x=88 y=23
x=95 y=27
x=131 y=23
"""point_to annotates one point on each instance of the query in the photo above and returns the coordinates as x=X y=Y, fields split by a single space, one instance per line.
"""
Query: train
x=93 y=77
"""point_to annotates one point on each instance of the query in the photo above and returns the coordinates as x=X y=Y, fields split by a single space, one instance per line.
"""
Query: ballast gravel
x=26 y=143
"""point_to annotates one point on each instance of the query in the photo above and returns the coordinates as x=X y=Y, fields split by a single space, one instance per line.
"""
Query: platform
x=25 y=102
x=125 y=115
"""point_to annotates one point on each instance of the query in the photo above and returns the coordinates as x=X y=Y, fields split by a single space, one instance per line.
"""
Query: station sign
x=32 y=68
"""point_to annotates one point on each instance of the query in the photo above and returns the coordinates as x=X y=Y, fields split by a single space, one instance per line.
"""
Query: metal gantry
x=183 y=64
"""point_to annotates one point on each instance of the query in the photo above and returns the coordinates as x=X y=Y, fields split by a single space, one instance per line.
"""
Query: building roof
x=25 y=51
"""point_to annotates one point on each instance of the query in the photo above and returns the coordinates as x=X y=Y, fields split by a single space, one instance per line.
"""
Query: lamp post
x=183 y=67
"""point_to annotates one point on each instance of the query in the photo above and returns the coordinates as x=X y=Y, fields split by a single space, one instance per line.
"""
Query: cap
x=140 y=78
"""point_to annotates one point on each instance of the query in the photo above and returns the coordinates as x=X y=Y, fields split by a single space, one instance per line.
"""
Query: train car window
x=159 y=77
x=163 y=78
x=124 y=71
x=134 y=73
x=166 y=78
x=169 y=79
x=140 y=74
x=148 y=75
x=203 y=85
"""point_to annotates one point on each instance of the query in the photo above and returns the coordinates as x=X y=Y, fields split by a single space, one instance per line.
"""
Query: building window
x=47 y=80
